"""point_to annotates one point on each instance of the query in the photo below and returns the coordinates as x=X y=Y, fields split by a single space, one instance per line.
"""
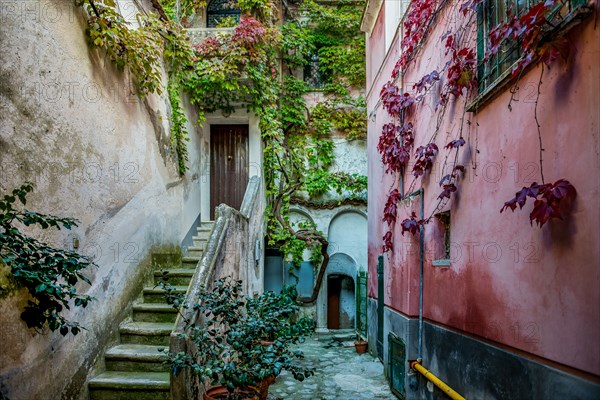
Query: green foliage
x=292 y=104
x=139 y=50
x=345 y=113
x=49 y=274
x=297 y=44
x=279 y=316
x=142 y=52
x=335 y=33
x=262 y=10
x=187 y=8
x=227 y=22
x=179 y=134
x=242 y=69
x=246 y=340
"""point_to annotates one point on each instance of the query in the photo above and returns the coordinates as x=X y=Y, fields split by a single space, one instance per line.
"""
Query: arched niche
x=341 y=272
x=348 y=235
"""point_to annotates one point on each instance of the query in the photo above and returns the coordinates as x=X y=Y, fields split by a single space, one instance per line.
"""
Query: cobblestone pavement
x=341 y=374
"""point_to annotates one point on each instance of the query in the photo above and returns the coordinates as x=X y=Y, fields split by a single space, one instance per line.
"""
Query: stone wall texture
x=71 y=124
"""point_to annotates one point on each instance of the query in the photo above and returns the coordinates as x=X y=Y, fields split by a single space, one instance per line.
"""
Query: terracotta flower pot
x=220 y=392
x=361 y=346
x=263 y=387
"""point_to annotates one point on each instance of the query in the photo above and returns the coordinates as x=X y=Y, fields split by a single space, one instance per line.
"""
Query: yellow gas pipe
x=436 y=381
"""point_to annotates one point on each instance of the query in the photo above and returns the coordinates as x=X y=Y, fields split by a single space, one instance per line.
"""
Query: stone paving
x=341 y=374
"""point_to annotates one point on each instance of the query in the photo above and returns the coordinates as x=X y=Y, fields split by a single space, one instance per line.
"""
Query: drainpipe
x=420 y=193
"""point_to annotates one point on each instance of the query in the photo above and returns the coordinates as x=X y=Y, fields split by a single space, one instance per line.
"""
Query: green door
x=361 y=303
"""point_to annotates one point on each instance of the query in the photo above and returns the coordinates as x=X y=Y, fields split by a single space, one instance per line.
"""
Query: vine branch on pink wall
x=458 y=78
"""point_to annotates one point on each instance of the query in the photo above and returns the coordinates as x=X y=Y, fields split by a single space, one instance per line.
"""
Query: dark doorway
x=228 y=165
x=341 y=302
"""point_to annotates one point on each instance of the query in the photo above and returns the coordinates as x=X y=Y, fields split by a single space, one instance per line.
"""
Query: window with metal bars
x=218 y=10
x=491 y=13
x=314 y=76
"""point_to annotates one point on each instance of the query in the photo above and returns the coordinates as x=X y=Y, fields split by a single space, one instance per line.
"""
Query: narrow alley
x=342 y=373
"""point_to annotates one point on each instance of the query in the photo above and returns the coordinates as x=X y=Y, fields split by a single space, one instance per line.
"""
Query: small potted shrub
x=232 y=360
x=360 y=345
x=276 y=322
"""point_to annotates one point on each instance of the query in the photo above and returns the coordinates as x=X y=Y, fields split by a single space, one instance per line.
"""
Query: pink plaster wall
x=537 y=290
x=375 y=47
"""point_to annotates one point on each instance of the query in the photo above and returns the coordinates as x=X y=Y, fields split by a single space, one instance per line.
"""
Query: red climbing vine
x=458 y=78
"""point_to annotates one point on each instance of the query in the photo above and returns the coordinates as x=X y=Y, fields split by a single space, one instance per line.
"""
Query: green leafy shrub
x=49 y=274
x=243 y=342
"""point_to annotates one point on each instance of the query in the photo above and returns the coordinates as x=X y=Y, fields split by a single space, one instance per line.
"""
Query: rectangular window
x=443 y=240
x=314 y=76
x=490 y=13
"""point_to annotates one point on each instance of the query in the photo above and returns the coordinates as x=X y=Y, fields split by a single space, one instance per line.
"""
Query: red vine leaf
x=469 y=6
x=390 y=211
x=387 y=242
x=394 y=144
x=424 y=161
x=411 y=224
x=448 y=190
x=548 y=198
x=394 y=101
x=455 y=143
x=426 y=82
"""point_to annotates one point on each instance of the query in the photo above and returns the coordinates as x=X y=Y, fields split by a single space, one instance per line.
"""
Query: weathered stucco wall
x=531 y=289
x=70 y=124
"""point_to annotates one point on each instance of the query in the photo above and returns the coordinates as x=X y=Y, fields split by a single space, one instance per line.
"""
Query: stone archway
x=339 y=278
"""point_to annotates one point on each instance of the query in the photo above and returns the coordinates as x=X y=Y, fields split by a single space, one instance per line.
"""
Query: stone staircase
x=134 y=367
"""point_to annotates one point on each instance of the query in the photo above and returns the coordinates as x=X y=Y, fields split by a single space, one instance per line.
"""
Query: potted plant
x=277 y=324
x=231 y=358
x=360 y=345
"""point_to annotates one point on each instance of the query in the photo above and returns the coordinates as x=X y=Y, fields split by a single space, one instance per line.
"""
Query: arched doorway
x=341 y=302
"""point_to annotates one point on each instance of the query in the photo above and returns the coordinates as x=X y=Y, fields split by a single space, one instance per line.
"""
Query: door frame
x=233 y=195
x=238 y=117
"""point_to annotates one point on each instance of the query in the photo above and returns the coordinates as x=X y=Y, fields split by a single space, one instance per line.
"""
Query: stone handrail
x=226 y=253
x=197 y=35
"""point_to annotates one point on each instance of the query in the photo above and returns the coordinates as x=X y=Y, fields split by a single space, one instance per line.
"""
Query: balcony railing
x=197 y=35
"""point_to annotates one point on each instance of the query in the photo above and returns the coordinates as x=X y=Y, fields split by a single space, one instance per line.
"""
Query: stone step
x=189 y=262
x=157 y=294
x=207 y=224
x=123 y=385
x=204 y=230
x=149 y=333
x=197 y=249
x=154 y=312
x=176 y=276
x=200 y=240
x=136 y=357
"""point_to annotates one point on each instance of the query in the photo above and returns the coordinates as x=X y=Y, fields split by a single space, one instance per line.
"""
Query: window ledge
x=441 y=263
x=505 y=80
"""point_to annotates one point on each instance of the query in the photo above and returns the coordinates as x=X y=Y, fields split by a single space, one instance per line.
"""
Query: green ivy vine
x=257 y=67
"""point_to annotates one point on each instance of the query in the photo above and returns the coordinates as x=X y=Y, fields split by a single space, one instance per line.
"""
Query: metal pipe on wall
x=436 y=381
x=420 y=193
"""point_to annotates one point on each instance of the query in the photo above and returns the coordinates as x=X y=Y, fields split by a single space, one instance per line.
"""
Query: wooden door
x=228 y=165
x=334 y=289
